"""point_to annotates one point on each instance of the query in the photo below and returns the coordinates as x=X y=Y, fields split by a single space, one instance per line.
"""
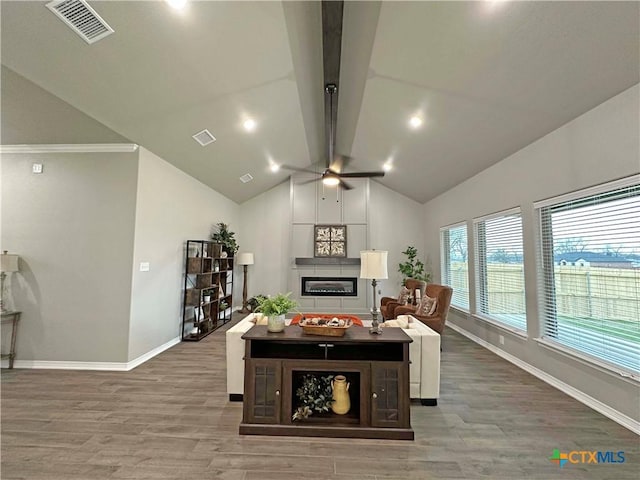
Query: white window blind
x=500 y=269
x=590 y=274
x=454 y=263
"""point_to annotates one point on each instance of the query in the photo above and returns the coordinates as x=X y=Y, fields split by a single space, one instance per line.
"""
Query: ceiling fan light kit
x=331 y=180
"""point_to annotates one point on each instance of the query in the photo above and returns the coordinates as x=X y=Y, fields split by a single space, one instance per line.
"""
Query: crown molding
x=71 y=148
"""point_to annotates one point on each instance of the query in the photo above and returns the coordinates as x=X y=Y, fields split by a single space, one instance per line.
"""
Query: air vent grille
x=81 y=18
x=246 y=178
x=204 y=137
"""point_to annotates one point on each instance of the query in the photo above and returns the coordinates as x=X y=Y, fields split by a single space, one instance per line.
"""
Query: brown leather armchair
x=388 y=305
x=436 y=321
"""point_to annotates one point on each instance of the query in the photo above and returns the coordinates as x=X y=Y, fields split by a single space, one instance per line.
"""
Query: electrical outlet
x=144 y=266
x=37 y=168
x=501 y=339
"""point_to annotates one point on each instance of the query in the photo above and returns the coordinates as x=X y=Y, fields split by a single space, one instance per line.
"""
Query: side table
x=14 y=318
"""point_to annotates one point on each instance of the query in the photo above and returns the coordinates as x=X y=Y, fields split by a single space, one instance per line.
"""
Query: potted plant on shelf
x=226 y=238
x=275 y=308
x=314 y=395
x=413 y=268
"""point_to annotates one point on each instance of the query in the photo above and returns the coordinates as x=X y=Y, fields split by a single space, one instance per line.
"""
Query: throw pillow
x=403 y=297
x=427 y=306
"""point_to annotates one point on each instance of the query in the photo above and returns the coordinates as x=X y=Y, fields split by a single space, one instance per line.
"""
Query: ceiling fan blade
x=337 y=165
x=298 y=169
x=361 y=174
x=345 y=185
x=310 y=181
x=340 y=162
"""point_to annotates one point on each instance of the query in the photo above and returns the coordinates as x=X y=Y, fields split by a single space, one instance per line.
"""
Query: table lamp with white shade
x=373 y=265
x=8 y=264
x=245 y=259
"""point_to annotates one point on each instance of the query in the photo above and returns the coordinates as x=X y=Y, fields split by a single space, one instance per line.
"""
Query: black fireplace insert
x=329 y=286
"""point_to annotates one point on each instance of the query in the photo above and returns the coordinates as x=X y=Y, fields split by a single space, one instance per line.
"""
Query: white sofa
x=424 y=355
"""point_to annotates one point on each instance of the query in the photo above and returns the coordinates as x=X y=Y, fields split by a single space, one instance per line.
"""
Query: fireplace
x=329 y=286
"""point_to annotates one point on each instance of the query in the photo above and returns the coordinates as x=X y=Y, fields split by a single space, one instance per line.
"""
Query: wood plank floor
x=170 y=419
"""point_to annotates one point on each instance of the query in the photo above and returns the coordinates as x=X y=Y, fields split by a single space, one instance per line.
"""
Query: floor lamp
x=373 y=265
x=8 y=264
x=245 y=259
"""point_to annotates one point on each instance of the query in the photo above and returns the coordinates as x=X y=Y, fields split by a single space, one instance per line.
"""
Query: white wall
x=72 y=227
x=395 y=224
x=265 y=231
x=171 y=208
x=597 y=147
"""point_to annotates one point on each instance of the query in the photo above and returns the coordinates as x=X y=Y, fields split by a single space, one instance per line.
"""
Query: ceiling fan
x=333 y=173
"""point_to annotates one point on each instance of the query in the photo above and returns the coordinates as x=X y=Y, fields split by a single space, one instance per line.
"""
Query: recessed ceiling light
x=249 y=124
x=177 y=4
x=274 y=167
x=415 y=121
x=247 y=177
x=387 y=166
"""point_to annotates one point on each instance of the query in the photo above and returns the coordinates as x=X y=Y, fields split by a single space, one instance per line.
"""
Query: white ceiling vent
x=81 y=18
x=246 y=178
x=204 y=137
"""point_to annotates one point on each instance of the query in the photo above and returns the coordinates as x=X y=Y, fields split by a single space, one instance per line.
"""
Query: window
x=455 y=267
x=590 y=266
x=500 y=269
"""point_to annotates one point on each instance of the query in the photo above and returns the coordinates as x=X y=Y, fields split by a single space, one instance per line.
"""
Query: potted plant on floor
x=413 y=268
x=275 y=308
x=253 y=302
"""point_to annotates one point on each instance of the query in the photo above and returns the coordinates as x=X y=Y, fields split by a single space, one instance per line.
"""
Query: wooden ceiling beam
x=331 y=49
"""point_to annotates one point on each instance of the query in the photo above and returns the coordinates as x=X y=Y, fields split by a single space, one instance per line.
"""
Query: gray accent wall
x=313 y=204
x=600 y=146
x=73 y=228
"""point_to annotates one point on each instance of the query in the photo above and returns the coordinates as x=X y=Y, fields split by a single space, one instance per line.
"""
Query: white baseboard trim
x=106 y=366
x=573 y=392
x=152 y=353
x=64 y=365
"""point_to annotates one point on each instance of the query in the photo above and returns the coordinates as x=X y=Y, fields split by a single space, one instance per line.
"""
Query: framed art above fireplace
x=330 y=241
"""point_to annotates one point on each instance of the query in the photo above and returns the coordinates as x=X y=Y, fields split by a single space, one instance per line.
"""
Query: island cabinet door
x=262 y=391
x=389 y=395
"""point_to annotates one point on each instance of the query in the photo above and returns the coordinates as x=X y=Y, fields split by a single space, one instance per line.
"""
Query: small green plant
x=314 y=395
x=253 y=302
x=277 y=305
x=225 y=237
x=413 y=267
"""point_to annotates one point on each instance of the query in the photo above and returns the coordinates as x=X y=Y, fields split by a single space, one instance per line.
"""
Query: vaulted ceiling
x=487 y=78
